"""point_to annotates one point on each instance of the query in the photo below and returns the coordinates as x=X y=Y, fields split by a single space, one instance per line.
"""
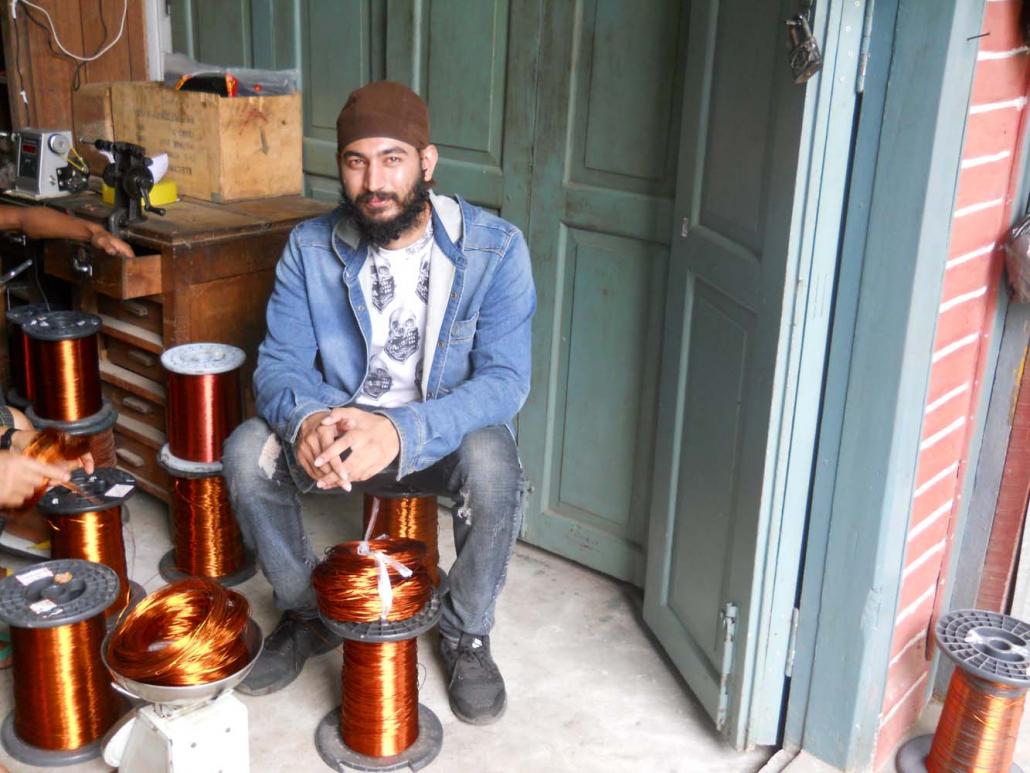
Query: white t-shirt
x=396 y=288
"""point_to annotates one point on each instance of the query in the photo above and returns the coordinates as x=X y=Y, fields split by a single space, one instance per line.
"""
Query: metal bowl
x=194 y=693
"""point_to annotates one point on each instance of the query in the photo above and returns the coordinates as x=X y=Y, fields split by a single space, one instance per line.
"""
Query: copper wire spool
x=19 y=350
x=208 y=542
x=63 y=699
x=379 y=713
x=188 y=633
x=85 y=521
x=204 y=405
x=408 y=517
x=66 y=365
x=978 y=727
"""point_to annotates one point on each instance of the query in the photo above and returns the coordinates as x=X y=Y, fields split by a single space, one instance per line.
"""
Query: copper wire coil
x=62 y=692
x=53 y=447
x=203 y=410
x=208 y=542
x=379 y=711
x=95 y=536
x=408 y=517
x=347 y=583
x=66 y=377
x=189 y=632
x=101 y=445
x=20 y=352
x=978 y=727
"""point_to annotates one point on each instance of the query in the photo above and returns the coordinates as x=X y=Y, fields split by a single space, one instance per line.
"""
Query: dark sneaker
x=286 y=649
x=476 y=687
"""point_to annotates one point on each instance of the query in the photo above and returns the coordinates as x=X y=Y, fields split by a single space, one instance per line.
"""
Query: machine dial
x=59 y=144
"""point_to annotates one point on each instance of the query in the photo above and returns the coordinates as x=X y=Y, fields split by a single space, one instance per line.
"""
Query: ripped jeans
x=483 y=476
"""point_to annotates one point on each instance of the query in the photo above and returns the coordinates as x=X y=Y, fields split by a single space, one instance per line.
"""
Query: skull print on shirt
x=402 y=339
x=382 y=285
x=378 y=381
x=422 y=288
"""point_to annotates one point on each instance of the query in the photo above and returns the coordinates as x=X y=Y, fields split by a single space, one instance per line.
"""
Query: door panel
x=726 y=341
x=604 y=175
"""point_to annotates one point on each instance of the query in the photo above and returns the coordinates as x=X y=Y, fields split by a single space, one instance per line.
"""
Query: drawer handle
x=136 y=309
x=137 y=405
x=131 y=459
x=144 y=359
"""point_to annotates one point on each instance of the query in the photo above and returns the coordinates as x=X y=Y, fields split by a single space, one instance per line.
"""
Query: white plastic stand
x=161 y=738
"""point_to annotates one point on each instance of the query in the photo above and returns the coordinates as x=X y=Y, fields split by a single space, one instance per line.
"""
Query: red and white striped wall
x=987 y=180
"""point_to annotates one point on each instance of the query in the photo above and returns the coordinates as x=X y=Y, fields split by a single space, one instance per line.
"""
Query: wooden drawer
x=134 y=358
x=109 y=274
x=136 y=446
x=146 y=313
x=135 y=407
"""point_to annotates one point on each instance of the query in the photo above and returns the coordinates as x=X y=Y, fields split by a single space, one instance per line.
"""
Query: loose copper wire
x=379 y=712
x=62 y=692
x=977 y=730
x=409 y=517
x=101 y=445
x=347 y=583
x=95 y=536
x=52 y=446
x=207 y=538
x=203 y=410
x=189 y=632
x=67 y=378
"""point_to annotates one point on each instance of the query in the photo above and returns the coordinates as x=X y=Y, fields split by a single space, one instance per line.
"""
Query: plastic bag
x=249 y=83
x=1017 y=259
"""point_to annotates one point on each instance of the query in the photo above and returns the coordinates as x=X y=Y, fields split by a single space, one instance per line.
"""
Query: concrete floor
x=588 y=687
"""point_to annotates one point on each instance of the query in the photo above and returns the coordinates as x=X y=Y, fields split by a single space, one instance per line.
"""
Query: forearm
x=46 y=223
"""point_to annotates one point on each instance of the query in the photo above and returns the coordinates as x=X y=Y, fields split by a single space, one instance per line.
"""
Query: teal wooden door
x=604 y=179
x=726 y=337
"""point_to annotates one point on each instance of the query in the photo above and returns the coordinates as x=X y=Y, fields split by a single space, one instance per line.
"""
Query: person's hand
x=312 y=439
x=110 y=244
x=20 y=476
x=21 y=439
x=371 y=439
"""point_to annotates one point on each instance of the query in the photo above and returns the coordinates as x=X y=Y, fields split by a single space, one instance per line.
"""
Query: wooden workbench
x=203 y=272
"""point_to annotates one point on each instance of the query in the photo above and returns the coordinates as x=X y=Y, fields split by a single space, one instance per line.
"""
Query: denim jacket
x=477 y=352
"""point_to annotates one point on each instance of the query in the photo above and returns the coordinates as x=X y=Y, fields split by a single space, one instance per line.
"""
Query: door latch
x=805 y=57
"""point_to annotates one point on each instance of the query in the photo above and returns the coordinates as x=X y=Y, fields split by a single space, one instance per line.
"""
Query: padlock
x=805 y=57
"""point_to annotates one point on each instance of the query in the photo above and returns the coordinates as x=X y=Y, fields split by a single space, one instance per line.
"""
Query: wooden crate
x=219 y=148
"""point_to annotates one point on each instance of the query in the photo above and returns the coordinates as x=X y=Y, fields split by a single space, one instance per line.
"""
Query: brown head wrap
x=383 y=109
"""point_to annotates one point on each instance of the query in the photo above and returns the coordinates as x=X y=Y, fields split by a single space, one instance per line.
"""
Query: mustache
x=367 y=196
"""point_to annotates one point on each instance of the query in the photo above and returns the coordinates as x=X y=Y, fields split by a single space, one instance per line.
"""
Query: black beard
x=379 y=233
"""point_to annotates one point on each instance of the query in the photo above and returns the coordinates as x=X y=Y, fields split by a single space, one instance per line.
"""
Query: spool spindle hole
x=1000 y=644
x=57 y=592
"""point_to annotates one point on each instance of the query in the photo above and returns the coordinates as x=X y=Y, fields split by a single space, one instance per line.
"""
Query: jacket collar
x=447 y=214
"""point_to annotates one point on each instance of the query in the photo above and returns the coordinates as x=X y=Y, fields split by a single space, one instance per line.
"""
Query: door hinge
x=728 y=621
x=792 y=641
x=684 y=228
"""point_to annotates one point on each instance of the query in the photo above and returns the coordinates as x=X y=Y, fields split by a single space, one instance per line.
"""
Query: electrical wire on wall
x=54 y=40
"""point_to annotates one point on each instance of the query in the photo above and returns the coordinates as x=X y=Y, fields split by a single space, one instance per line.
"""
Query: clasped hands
x=371 y=439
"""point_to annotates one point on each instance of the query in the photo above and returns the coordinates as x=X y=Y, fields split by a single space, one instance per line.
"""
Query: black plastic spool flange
x=987 y=646
x=399 y=630
x=170 y=571
x=178 y=467
x=100 y=421
x=62 y=325
x=90 y=591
